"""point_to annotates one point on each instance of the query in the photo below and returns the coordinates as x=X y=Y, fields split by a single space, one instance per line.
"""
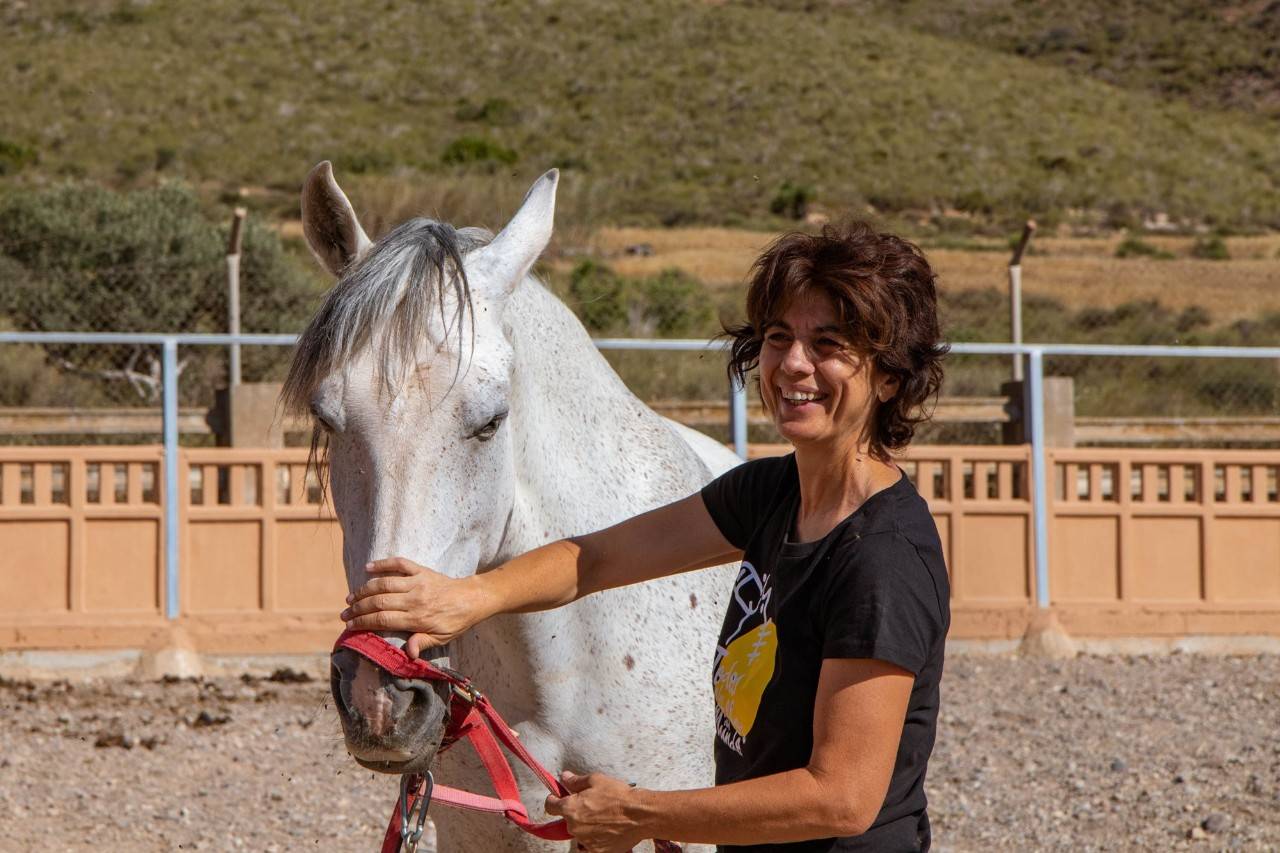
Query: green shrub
x=791 y=200
x=598 y=296
x=166 y=155
x=676 y=303
x=89 y=259
x=467 y=150
x=1211 y=248
x=975 y=201
x=1134 y=247
x=1192 y=317
x=365 y=162
x=669 y=304
x=15 y=157
x=494 y=111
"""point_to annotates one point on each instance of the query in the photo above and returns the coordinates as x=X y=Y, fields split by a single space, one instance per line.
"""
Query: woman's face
x=818 y=389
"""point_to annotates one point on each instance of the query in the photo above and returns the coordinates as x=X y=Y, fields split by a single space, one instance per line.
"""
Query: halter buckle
x=467 y=692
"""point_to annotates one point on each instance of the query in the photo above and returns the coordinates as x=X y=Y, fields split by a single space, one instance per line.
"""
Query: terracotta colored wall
x=82 y=550
x=1142 y=543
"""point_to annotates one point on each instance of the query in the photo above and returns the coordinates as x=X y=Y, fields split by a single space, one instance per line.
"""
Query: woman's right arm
x=404 y=596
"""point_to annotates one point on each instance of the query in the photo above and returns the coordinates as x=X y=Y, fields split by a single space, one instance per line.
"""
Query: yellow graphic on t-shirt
x=743 y=674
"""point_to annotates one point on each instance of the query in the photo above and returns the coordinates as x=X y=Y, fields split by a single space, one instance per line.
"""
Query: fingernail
x=349 y=597
x=368 y=565
x=345 y=616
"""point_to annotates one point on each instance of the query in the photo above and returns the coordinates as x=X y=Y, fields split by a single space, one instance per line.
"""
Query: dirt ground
x=1099 y=753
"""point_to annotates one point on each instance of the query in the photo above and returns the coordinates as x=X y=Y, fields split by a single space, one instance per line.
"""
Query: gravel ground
x=1113 y=753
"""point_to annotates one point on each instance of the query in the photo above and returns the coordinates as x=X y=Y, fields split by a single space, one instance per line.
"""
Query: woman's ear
x=886 y=388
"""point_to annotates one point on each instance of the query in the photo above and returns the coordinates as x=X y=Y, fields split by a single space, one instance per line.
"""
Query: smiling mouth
x=799 y=399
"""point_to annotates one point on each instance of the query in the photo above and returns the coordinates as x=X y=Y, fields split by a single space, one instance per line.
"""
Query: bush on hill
x=1135 y=247
x=1212 y=248
x=79 y=258
x=669 y=304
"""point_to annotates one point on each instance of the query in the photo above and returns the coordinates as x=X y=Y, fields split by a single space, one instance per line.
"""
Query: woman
x=827 y=671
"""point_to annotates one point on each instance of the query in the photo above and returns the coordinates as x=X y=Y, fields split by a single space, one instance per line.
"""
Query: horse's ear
x=329 y=222
x=506 y=260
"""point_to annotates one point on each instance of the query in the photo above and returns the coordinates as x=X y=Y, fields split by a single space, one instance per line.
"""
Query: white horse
x=469 y=418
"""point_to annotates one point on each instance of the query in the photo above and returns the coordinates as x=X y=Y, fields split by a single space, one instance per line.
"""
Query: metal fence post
x=1039 y=476
x=170 y=422
x=1015 y=294
x=233 y=294
x=738 y=417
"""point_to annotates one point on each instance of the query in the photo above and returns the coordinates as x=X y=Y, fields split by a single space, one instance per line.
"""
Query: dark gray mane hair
x=392 y=290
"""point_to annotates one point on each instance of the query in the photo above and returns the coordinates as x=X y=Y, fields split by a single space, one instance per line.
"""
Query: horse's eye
x=490 y=429
x=321 y=420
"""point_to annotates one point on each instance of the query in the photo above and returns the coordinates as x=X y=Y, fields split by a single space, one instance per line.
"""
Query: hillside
x=1214 y=55
x=660 y=112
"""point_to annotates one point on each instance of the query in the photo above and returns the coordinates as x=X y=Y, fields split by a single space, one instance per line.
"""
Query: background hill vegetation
x=665 y=112
x=1214 y=55
x=131 y=128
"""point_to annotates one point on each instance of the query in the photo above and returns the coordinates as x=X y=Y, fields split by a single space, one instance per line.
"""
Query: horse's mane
x=409 y=273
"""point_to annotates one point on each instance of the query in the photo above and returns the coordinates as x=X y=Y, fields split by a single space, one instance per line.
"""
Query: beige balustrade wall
x=82 y=550
x=1141 y=543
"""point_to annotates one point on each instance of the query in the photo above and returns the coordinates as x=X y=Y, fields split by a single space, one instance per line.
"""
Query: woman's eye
x=776 y=338
x=490 y=429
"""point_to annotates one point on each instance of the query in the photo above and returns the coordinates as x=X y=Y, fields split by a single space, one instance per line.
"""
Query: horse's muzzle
x=392 y=724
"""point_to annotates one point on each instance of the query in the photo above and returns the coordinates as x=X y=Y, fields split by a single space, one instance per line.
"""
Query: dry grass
x=1079 y=272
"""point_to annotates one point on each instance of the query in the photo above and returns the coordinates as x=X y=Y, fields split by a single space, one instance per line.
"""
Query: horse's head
x=407 y=371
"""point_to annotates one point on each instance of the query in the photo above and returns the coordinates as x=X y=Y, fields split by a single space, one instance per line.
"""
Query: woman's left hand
x=598 y=812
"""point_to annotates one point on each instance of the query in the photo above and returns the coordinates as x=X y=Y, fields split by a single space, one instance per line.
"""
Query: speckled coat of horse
x=468 y=419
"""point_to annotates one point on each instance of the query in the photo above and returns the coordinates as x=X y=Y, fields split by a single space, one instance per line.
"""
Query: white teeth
x=800 y=396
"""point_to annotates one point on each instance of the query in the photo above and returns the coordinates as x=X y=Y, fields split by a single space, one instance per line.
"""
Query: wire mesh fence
x=89 y=259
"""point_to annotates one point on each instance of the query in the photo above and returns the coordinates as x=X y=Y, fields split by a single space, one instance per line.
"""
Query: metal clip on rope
x=413 y=814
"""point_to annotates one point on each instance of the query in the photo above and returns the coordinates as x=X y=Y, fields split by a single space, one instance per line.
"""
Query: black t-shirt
x=874 y=587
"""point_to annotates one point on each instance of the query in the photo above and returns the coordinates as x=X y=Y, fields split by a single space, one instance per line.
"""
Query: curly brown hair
x=883 y=290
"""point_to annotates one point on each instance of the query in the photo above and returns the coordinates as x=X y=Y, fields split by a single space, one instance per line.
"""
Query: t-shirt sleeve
x=882 y=603
x=739 y=499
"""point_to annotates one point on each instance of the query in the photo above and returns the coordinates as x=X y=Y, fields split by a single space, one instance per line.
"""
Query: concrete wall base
x=83 y=665
x=1045 y=638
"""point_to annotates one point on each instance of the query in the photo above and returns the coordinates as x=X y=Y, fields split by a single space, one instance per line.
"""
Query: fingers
x=417 y=643
x=381 y=620
x=575 y=783
x=554 y=806
x=391 y=583
x=398 y=565
x=388 y=601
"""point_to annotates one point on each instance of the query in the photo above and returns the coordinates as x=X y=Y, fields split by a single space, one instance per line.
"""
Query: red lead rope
x=473 y=717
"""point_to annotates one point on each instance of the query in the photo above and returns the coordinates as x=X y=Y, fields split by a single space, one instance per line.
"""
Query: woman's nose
x=796 y=360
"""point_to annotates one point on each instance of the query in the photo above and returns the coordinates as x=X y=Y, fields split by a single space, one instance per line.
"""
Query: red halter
x=473 y=717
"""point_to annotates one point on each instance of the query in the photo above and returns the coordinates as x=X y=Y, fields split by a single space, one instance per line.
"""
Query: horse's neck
x=588 y=452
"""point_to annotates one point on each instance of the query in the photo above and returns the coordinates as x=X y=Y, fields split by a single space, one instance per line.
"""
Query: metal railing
x=1034 y=355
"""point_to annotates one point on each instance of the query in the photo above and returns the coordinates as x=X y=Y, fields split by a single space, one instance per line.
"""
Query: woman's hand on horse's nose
x=598 y=813
x=404 y=596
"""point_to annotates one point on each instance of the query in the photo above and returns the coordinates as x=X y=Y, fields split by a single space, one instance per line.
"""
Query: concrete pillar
x=246 y=415
x=1059 y=412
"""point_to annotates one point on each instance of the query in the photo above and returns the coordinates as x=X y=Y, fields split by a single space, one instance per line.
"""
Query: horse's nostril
x=412 y=686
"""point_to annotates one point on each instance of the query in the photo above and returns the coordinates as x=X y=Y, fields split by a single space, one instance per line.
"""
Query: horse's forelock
x=392 y=291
